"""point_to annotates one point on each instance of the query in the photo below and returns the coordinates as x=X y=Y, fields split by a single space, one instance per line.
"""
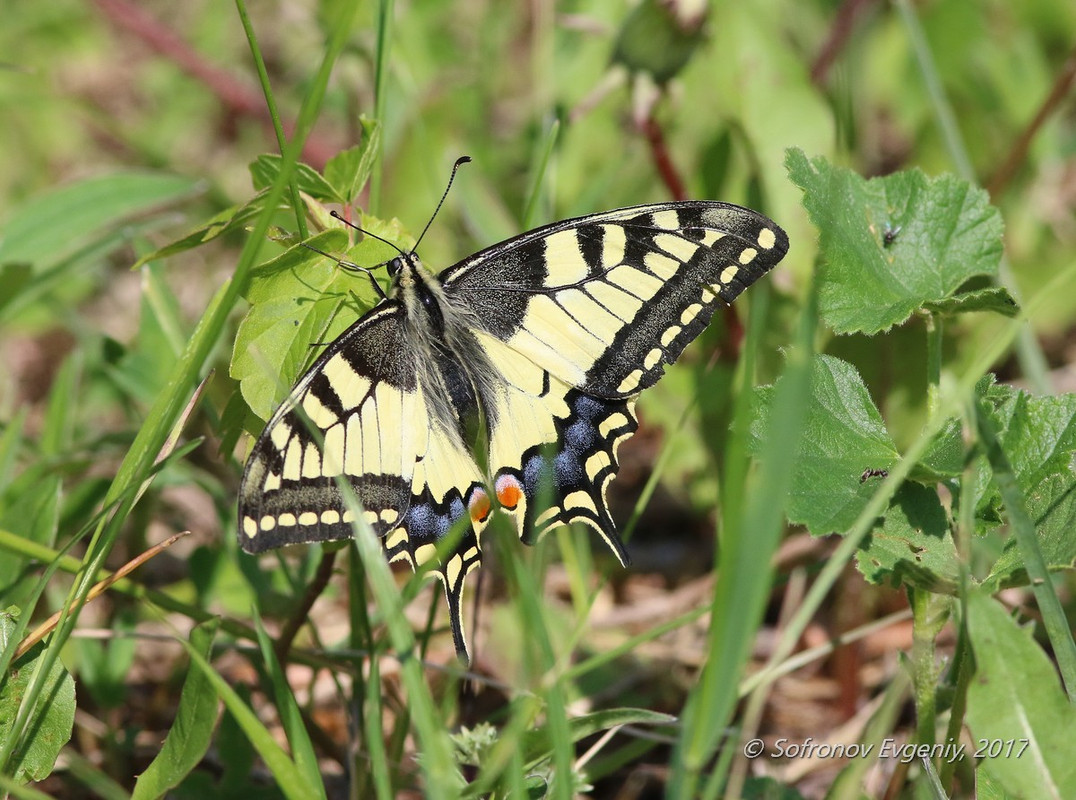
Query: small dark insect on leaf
x=873 y=473
x=890 y=235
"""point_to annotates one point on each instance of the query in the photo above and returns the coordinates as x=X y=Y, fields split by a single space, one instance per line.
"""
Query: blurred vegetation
x=129 y=133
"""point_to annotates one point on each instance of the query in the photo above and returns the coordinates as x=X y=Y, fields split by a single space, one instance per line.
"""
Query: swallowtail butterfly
x=506 y=382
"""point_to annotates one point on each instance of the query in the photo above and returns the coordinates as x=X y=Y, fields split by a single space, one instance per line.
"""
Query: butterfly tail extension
x=446 y=533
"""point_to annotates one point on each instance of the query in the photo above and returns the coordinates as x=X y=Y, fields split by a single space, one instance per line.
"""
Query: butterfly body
x=506 y=382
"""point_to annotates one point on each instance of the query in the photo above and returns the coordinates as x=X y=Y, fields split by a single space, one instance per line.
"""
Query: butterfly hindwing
x=552 y=449
x=353 y=417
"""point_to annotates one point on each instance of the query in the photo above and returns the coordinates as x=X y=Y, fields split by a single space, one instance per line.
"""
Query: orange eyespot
x=509 y=491
x=478 y=505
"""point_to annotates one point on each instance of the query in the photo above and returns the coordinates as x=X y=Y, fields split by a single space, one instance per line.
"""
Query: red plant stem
x=1062 y=86
x=839 y=33
x=666 y=169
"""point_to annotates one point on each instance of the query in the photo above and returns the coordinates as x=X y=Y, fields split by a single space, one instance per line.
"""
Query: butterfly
x=505 y=383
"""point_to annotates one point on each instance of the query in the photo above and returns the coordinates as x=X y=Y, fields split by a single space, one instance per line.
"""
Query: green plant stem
x=270 y=102
x=385 y=10
x=1023 y=530
x=929 y=614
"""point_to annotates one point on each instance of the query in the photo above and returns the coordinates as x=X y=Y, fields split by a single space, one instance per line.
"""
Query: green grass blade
x=745 y=569
x=161 y=418
x=289 y=778
x=306 y=761
x=1023 y=529
x=191 y=733
x=274 y=114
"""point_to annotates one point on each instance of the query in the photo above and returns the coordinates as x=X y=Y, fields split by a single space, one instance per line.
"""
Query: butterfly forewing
x=343 y=420
x=604 y=302
x=545 y=339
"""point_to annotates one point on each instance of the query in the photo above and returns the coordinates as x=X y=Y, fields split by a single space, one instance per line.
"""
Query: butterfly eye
x=394 y=266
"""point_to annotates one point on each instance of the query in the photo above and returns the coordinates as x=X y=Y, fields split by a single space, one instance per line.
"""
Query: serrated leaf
x=1038 y=434
x=995 y=299
x=1015 y=695
x=291 y=304
x=349 y=170
x=265 y=168
x=912 y=544
x=1052 y=506
x=843 y=435
x=892 y=245
x=944 y=458
x=55 y=717
x=192 y=732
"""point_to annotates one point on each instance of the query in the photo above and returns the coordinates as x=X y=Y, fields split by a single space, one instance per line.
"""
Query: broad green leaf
x=33 y=514
x=944 y=457
x=349 y=170
x=53 y=225
x=996 y=299
x=265 y=168
x=293 y=299
x=843 y=436
x=55 y=718
x=189 y=738
x=1016 y=695
x=1038 y=435
x=893 y=245
x=1052 y=505
x=912 y=544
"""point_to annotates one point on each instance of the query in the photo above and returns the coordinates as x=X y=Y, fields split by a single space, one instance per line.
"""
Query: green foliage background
x=128 y=136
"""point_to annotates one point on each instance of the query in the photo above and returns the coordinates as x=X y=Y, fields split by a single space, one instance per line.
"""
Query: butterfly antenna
x=365 y=232
x=459 y=161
